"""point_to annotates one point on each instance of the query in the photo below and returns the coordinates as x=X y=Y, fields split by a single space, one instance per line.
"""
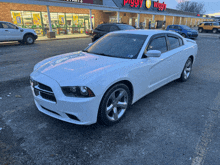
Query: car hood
x=77 y=65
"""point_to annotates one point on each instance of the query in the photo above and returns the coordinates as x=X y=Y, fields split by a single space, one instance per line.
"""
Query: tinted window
x=174 y=42
x=125 y=27
x=176 y=27
x=181 y=41
x=113 y=28
x=158 y=44
x=118 y=45
x=207 y=24
x=171 y=27
x=105 y=28
x=1 y=25
x=8 y=26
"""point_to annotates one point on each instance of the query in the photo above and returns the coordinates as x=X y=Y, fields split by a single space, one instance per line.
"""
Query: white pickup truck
x=11 y=32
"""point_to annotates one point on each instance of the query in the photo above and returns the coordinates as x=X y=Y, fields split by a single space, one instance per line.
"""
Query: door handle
x=6 y=30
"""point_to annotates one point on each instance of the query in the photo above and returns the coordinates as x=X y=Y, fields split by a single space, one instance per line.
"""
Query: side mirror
x=153 y=53
x=90 y=44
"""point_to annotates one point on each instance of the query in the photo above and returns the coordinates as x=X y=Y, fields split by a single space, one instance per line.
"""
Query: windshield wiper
x=103 y=54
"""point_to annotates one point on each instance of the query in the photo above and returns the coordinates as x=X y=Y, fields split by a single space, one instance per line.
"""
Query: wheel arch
x=127 y=83
x=28 y=33
x=192 y=57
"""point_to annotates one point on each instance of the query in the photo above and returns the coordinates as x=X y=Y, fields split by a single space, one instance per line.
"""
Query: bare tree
x=190 y=6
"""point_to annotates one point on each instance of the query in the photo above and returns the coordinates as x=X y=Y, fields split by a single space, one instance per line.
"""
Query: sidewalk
x=60 y=37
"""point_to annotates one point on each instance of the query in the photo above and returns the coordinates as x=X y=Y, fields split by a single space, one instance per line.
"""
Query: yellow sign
x=61 y=19
x=16 y=18
x=75 y=20
x=36 y=19
x=148 y=4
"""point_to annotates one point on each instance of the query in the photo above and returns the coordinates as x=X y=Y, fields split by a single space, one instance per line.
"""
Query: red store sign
x=134 y=3
x=160 y=6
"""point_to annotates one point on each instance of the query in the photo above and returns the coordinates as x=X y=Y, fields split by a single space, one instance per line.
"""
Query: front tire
x=29 y=39
x=200 y=30
x=183 y=35
x=186 y=70
x=114 y=104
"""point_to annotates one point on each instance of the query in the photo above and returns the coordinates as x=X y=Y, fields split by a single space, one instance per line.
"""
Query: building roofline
x=59 y=3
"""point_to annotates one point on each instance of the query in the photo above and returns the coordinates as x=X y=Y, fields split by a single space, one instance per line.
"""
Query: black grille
x=44 y=87
x=47 y=96
x=72 y=117
x=50 y=111
x=44 y=91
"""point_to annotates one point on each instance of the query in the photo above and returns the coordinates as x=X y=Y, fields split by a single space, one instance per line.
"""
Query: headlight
x=189 y=33
x=77 y=91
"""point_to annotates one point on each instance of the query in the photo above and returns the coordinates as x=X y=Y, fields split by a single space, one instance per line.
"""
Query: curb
x=52 y=39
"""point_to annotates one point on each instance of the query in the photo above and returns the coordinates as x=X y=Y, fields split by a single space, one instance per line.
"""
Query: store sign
x=134 y=3
x=160 y=6
x=16 y=18
x=140 y=3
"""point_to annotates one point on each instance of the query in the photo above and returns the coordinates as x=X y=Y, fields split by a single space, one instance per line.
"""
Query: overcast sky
x=211 y=6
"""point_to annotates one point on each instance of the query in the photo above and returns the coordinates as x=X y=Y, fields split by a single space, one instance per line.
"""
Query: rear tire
x=29 y=39
x=214 y=31
x=186 y=70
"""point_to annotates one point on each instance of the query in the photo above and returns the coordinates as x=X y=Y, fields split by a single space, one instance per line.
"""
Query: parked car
x=109 y=27
x=102 y=81
x=183 y=30
x=209 y=26
x=11 y=32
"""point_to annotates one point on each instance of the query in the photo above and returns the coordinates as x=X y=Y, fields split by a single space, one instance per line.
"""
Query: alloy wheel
x=187 y=69
x=29 y=40
x=117 y=104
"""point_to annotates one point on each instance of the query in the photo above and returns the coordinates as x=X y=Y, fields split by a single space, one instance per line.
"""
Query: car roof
x=145 y=32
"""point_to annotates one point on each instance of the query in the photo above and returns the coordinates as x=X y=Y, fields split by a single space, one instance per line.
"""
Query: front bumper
x=192 y=35
x=35 y=37
x=82 y=111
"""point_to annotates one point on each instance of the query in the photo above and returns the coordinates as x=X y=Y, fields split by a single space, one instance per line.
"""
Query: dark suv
x=103 y=29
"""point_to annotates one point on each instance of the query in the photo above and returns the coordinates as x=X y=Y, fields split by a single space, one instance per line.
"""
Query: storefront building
x=76 y=16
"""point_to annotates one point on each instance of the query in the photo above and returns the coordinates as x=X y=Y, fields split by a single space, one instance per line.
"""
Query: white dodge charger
x=102 y=81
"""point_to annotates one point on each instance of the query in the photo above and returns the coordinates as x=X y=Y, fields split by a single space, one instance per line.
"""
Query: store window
x=37 y=22
x=114 y=19
x=27 y=19
x=16 y=18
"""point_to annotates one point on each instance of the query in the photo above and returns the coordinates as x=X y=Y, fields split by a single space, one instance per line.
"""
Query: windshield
x=186 y=27
x=119 y=45
x=125 y=27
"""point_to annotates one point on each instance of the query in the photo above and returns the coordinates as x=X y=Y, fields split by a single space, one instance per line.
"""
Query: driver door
x=160 y=67
x=12 y=31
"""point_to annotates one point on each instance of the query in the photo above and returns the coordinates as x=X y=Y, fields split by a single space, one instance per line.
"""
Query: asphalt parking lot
x=178 y=124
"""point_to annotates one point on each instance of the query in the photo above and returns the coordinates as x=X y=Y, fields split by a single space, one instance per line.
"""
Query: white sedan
x=102 y=81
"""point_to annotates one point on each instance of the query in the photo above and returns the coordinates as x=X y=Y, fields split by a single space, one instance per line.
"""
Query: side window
x=158 y=44
x=206 y=24
x=174 y=42
x=113 y=28
x=8 y=26
x=176 y=27
x=171 y=27
x=106 y=28
x=1 y=25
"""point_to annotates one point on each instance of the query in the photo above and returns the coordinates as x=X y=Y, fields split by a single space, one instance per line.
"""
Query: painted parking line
x=206 y=137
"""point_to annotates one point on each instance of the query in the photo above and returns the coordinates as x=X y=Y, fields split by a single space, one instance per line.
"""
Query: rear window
x=125 y=27
x=174 y=42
